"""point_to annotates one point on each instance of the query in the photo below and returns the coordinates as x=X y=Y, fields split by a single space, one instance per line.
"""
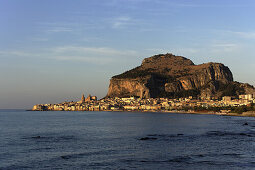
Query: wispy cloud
x=130 y=24
x=86 y=59
x=57 y=27
x=39 y=39
x=178 y=4
x=121 y=22
x=17 y=53
x=240 y=34
x=224 y=47
x=78 y=24
x=249 y=35
x=160 y=2
x=184 y=50
x=93 y=50
x=157 y=50
x=60 y=29
x=92 y=55
x=93 y=39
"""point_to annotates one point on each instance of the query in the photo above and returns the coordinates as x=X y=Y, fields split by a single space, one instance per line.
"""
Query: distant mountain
x=167 y=75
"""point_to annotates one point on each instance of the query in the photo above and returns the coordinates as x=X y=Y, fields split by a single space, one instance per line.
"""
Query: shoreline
x=244 y=114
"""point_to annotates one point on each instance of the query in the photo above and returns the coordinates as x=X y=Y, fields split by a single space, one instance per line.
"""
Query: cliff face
x=127 y=87
x=171 y=76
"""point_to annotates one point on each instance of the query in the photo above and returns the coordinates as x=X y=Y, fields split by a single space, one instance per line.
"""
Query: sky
x=55 y=50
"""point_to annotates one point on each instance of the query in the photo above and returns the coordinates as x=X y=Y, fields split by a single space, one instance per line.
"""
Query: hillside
x=167 y=75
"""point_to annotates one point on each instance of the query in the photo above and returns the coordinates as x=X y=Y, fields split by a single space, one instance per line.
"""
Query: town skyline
x=51 y=52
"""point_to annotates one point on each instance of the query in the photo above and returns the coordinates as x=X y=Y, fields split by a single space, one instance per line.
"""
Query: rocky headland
x=170 y=76
x=169 y=83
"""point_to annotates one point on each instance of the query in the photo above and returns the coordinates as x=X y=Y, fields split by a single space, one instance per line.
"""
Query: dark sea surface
x=124 y=140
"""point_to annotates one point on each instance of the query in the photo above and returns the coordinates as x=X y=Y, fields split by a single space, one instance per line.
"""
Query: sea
x=125 y=140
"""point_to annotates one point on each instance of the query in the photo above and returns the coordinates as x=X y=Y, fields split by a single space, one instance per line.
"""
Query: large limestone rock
x=167 y=75
x=128 y=87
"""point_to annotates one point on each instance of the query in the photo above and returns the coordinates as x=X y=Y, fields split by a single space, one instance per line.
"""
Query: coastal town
x=188 y=104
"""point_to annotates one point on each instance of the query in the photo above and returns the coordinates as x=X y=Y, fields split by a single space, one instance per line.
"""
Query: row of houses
x=150 y=104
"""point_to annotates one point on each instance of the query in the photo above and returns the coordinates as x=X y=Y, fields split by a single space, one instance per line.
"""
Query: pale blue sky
x=55 y=50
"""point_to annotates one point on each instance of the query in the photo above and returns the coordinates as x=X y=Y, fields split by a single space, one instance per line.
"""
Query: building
x=246 y=97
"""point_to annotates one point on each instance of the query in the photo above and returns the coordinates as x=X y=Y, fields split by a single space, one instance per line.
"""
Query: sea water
x=124 y=140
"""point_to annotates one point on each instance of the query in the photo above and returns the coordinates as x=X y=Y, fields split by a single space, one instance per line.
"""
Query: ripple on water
x=50 y=138
x=229 y=134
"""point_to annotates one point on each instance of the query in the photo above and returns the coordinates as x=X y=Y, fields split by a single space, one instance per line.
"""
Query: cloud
x=59 y=29
x=177 y=4
x=77 y=26
x=92 y=55
x=92 y=39
x=225 y=47
x=160 y=2
x=17 y=53
x=240 y=34
x=170 y=50
x=248 y=35
x=157 y=50
x=38 y=39
x=130 y=24
x=92 y=60
x=186 y=51
x=105 y=51
x=120 y=22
